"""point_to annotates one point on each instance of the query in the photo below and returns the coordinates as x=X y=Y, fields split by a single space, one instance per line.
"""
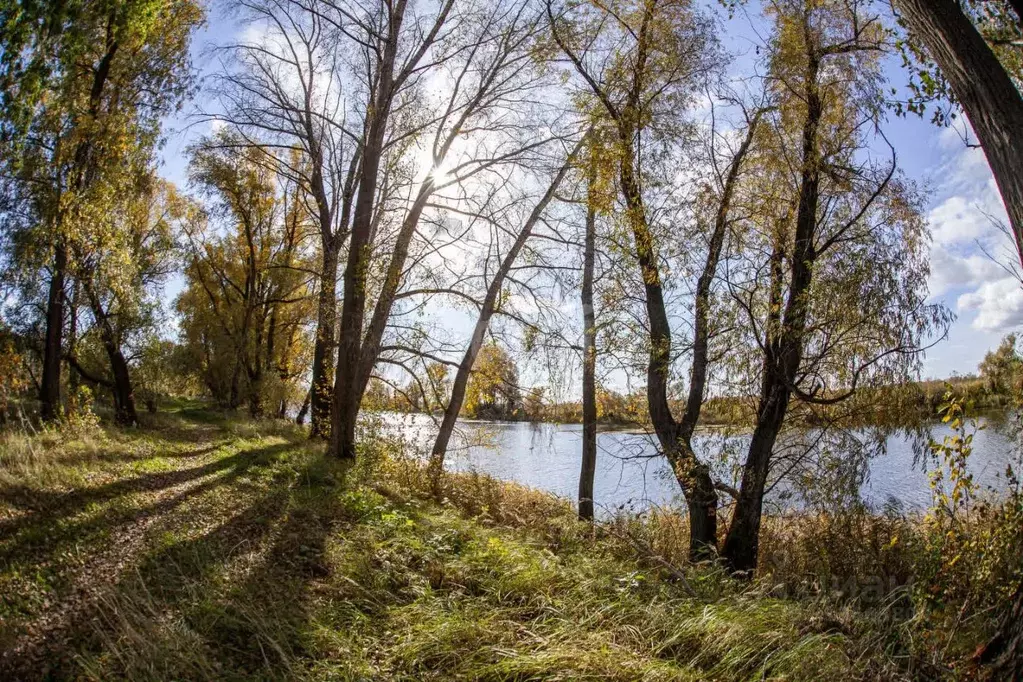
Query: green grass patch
x=202 y=548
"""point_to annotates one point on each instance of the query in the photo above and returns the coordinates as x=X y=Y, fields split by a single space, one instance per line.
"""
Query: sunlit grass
x=202 y=548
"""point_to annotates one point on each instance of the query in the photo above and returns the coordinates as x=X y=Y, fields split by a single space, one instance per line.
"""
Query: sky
x=971 y=257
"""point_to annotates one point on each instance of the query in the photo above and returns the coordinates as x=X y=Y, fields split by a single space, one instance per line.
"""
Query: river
x=631 y=476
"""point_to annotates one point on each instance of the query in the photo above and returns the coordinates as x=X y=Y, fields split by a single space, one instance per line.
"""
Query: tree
x=1001 y=367
x=120 y=265
x=844 y=301
x=247 y=300
x=103 y=75
x=491 y=370
x=483 y=124
x=493 y=388
x=289 y=91
x=588 y=466
x=982 y=86
x=991 y=99
x=640 y=67
x=397 y=50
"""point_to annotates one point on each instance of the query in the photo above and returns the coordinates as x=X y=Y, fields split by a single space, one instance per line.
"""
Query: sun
x=441 y=172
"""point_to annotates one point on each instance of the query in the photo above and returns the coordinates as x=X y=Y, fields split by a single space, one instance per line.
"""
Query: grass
x=202 y=548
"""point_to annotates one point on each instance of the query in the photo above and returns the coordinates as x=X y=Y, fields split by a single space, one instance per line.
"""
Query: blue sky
x=963 y=209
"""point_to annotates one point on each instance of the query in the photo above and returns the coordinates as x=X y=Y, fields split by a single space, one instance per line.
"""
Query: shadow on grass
x=48 y=534
x=48 y=527
x=241 y=590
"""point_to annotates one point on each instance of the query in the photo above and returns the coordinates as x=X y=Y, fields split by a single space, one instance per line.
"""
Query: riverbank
x=201 y=547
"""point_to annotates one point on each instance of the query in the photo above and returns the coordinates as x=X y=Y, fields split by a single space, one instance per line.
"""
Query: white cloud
x=951 y=271
x=960 y=219
x=965 y=226
x=998 y=304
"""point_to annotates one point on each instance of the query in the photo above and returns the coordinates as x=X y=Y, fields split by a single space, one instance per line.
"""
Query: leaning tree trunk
x=49 y=389
x=461 y=381
x=983 y=88
x=589 y=450
x=124 y=394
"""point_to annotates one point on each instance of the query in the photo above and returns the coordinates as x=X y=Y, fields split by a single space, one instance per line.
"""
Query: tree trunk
x=1005 y=650
x=389 y=78
x=347 y=398
x=124 y=394
x=742 y=544
x=784 y=352
x=323 y=350
x=304 y=410
x=589 y=453
x=693 y=477
x=49 y=392
x=256 y=395
x=982 y=87
x=461 y=380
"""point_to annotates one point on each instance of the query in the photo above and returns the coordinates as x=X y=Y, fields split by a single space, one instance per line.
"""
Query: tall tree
x=588 y=465
x=640 y=65
x=477 y=127
x=247 y=297
x=111 y=74
x=290 y=90
x=822 y=323
x=398 y=40
x=982 y=86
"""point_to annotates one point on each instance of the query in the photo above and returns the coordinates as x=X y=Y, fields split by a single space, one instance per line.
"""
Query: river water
x=632 y=476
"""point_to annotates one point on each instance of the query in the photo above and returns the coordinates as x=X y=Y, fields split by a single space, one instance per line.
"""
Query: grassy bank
x=204 y=548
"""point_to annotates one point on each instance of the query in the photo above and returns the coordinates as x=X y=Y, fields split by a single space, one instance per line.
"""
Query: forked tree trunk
x=389 y=78
x=693 y=477
x=347 y=397
x=983 y=88
x=589 y=450
x=783 y=347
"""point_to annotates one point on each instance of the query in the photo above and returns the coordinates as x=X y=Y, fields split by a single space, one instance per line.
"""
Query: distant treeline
x=899 y=405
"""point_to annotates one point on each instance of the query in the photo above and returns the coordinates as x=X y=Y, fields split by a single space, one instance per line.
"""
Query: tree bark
x=49 y=393
x=1005 y=650
x=346 y=399
x=784 y=352
x=982 y=87
x=589 y=448
x=461 y=381
x=125 y=413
